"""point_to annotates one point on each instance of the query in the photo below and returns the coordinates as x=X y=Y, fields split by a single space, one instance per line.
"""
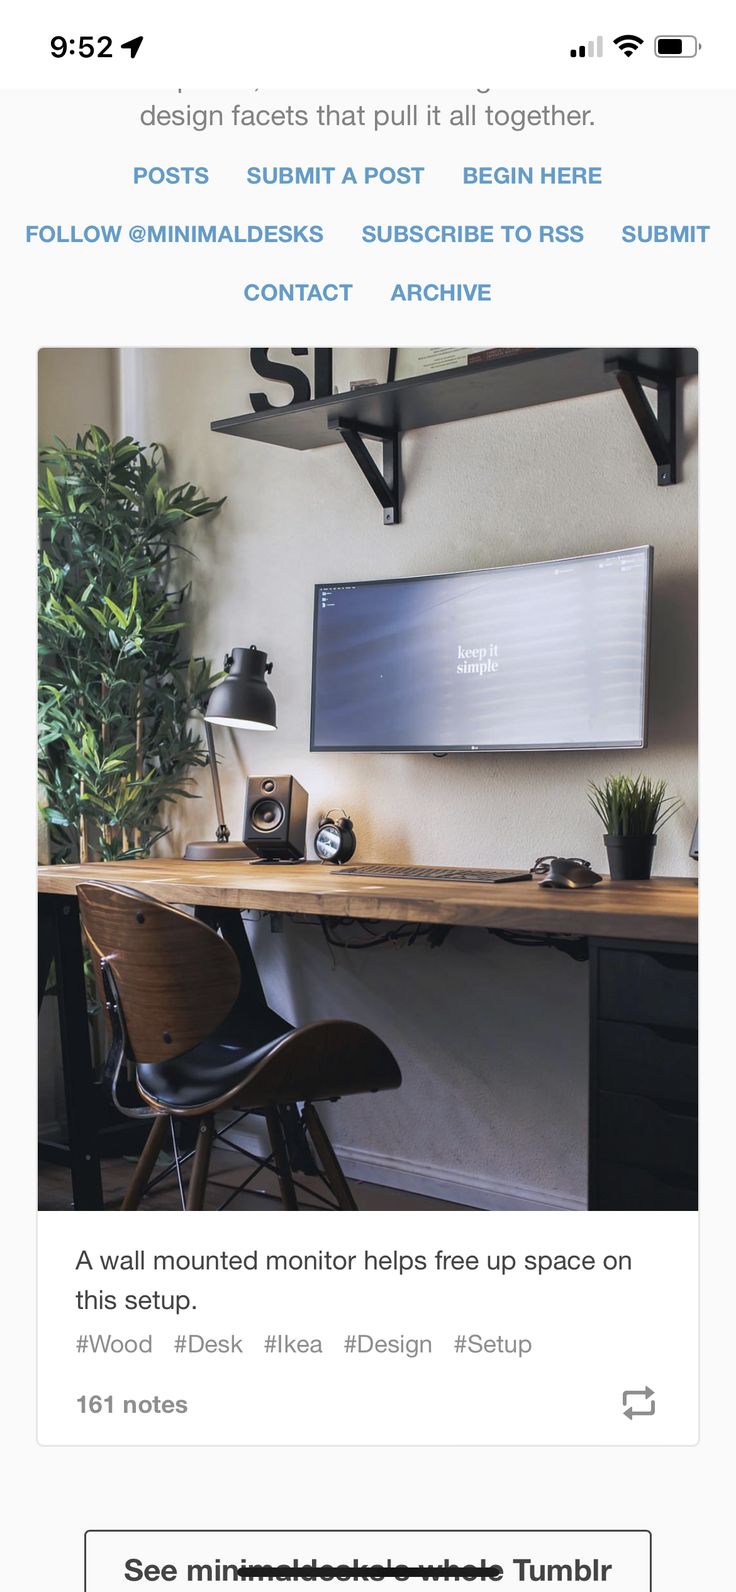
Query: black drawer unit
x=643 y=1076
x=634 y=1131
x=656 y=1061
x=648 y=986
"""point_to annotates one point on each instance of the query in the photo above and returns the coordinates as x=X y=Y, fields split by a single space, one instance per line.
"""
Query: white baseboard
x=442 y=1183
x=437 y=1182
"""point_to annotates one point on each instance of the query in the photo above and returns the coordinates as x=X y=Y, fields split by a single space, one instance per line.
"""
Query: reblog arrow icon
x=639 y=1393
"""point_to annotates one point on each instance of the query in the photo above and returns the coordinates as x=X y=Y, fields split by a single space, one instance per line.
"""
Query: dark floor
x=226 y=1172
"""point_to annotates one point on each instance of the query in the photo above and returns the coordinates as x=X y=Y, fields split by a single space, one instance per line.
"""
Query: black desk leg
x=59 y=929
x=45 y=947
x=229 y=921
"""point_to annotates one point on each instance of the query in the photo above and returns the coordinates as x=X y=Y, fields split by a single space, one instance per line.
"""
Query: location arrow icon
x=133 y=45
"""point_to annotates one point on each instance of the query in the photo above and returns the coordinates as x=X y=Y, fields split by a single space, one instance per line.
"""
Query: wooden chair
x=170 y=987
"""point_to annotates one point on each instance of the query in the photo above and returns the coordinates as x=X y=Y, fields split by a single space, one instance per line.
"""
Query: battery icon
x=677 y=45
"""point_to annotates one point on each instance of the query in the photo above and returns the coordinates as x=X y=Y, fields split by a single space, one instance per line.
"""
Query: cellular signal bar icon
x=591 y=48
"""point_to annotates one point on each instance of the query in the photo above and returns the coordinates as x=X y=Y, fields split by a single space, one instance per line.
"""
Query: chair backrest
x=175 y=978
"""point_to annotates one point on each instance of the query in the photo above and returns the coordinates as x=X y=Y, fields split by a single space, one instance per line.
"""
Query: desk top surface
x=655 y=909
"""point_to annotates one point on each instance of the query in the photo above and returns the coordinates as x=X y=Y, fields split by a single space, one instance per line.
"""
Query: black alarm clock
x=335 y=838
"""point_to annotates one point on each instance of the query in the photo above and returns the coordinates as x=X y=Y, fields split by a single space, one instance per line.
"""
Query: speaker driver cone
x=266 y=815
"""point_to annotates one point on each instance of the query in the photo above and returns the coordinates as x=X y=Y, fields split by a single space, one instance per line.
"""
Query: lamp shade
x=243 y=700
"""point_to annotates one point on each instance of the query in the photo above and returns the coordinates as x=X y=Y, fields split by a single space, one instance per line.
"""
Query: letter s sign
x=297 y=379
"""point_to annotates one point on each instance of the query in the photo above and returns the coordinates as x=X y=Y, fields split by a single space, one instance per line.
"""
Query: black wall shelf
x=518 y=381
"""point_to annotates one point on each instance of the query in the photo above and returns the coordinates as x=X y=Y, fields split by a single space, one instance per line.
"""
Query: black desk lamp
x=243 y=702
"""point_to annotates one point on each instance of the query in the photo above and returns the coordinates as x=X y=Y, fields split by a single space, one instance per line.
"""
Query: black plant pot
x=630 y=856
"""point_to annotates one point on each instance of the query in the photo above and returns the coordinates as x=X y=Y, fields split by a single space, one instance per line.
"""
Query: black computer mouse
x=570 y=873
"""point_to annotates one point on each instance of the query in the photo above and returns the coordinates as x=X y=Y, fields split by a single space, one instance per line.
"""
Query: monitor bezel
x=464 y=748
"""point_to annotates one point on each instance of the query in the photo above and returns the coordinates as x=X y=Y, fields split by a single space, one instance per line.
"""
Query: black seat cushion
x=212 y=1069
x=318 y=1061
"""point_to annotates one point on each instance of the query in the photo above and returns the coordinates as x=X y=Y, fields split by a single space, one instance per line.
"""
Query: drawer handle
x=675 y=963
x=678 y=1036
x=683 y=1181
x=663 y=1104
x=676 y=1108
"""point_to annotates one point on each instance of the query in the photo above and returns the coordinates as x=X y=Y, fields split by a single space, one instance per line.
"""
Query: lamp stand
x=222 y=848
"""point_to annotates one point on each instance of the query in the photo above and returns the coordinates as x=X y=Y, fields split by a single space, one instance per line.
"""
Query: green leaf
x=52 y=816
x=118 y=612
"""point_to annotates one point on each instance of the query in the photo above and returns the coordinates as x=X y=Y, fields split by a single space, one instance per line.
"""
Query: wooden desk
x=658 y=909
x=640 y=935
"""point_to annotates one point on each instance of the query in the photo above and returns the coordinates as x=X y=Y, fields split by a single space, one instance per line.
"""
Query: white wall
x=77 y=387
x=492 y=1038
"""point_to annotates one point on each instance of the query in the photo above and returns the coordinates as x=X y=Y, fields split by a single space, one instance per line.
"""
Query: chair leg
x=281 y=1159
x=330 y=1164
x=147 y=1160
x=200 y=1168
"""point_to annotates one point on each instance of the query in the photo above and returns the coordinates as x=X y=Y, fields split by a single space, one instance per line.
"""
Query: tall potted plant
x=115 y=694
x=632 y=811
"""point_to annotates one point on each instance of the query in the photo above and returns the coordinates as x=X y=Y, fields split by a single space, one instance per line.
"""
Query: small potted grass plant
x=632 y=812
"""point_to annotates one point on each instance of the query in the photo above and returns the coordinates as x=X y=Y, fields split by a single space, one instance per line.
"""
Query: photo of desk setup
x=487 y=766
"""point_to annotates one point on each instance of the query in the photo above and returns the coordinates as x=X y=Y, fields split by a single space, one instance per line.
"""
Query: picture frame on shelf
x=356 y=368
x=404 y=363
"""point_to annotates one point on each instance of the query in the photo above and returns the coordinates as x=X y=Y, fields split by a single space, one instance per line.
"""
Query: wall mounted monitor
x=529 y=657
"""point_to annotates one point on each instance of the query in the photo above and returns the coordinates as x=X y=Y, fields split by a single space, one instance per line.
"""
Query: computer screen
x=542 y=656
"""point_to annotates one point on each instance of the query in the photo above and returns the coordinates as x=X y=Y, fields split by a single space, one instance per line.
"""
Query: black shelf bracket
x=387 y=483
x=659 y=431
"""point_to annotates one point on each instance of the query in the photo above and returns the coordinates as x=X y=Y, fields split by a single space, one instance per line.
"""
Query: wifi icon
x=628 y=43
